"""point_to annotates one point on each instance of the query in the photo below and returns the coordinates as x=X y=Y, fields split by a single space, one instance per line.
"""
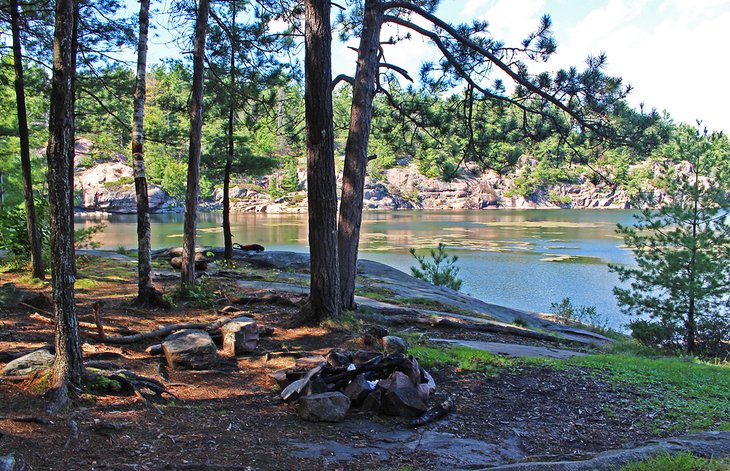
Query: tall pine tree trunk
x=324 y=295
x=72 y=147
x=227 y=234
x=356 y=151
x=196 y=127
x=36 y=254
x=146 y=293
x=68 y=366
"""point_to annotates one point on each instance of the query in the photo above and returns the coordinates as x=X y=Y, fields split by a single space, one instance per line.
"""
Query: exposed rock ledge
x=109 y=187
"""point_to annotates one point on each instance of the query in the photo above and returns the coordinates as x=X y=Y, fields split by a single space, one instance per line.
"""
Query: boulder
x=324 y=407
x=339 y=358
x=373 y=401
x=241 y=335
x=35 y=361
x=201 y=262
x=373 y=335
x=190 y=349
x=109 y=187
x=394 y=344
x=402 y=398
x=358 y=389
x=230 y=310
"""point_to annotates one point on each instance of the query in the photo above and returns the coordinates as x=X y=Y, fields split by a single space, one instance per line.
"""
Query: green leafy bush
x=14 y=234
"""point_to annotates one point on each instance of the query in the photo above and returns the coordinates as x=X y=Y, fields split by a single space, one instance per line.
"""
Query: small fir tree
x=679 y=286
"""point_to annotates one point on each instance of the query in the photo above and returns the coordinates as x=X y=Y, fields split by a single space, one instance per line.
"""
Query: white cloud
x=670 y=58
x=511 y=21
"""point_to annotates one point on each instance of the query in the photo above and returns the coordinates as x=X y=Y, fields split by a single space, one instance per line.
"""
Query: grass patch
x=122 y=250
x=85 y=283
x=565 y=258
x=121 y=182
x=202 y=294
x=681 y=392
x=463 y=358
x=28 y=280
x=378 y=293
x=103 y=269
x=684 y=461
x=348 y=321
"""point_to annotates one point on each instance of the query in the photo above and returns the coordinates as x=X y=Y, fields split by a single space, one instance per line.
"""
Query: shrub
x=569 y=314
x=14 y=234
x=440 y=270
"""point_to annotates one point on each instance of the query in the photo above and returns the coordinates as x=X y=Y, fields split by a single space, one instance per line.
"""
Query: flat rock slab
x=512 y=349
x=190 y=349
x=385 y=440
x=35 y=361
x=707 y=444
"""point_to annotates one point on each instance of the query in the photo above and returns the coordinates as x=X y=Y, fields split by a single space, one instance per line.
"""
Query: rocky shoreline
x=109 y=187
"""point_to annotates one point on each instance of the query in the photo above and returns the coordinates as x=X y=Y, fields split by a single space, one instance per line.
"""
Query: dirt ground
x=232 y=417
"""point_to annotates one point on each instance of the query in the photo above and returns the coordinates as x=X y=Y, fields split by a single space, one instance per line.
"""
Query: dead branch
x=86 y=325
x=165 y=331
x=97 y=320
x=434 y=413
x=36 y=309
x=28 y=419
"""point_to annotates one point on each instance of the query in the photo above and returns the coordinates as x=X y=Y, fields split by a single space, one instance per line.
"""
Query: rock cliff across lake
x=109 y=187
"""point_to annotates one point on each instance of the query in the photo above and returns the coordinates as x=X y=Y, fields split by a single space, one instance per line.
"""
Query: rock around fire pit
x=394 y=385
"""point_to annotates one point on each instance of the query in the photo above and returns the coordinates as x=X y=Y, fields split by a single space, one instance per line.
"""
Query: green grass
x=677 y=394
x=85 y=283
x=35 y=282
x=680 y=462
x=378 y=293
x=348 y=321
x=121 y=182
x=464 y=358
x=684 y=393
x=102 y=269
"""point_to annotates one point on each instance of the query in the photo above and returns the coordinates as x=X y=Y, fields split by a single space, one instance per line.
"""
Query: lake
x=525 y=259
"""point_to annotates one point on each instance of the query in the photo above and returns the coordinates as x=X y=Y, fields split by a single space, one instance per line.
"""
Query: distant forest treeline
x=424 y=128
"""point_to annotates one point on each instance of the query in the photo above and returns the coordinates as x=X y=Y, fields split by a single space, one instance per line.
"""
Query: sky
x=671 y=51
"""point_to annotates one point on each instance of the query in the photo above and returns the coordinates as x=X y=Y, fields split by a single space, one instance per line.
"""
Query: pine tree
x=680 y=282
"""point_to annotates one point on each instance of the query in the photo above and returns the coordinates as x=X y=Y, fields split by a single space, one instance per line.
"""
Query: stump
x=190 y=349
x=241 y=335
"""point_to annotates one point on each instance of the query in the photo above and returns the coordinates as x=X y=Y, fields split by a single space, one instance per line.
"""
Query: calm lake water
x=526 y=259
